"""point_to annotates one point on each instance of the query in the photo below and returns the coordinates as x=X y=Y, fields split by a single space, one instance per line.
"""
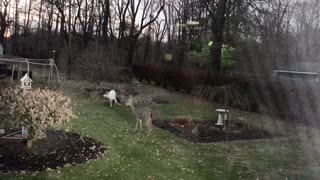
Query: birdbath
x=223 y=116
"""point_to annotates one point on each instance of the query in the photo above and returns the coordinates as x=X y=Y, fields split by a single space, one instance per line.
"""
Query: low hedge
x=289 y=100
x=177 y=78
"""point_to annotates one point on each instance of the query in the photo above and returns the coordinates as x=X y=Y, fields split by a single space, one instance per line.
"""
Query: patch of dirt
x=205 y=131
x=59 y=149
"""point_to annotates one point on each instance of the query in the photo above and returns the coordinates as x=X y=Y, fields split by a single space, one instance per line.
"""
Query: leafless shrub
x=38 y=110
x=232 y=94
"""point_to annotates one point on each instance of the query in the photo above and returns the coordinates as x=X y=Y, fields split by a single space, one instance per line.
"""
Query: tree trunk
x=182 y=50
x=182 y=56
x=3 y=29
x=63 y=32
x=217 y=28
x=26 y=30
x=147 y=48
x=39 y=15
x=158 y=57
x=131 y=51
x=105 y=24
x=216 y=50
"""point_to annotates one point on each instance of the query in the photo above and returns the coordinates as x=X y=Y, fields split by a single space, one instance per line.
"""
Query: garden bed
x=59 y=149
x=205 y=131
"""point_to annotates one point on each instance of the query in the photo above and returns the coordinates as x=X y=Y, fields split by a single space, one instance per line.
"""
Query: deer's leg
x=149 y=126
x=148 y=131
x=140 y=123
x=115 y=100
x=110 y=102
x=136 y=124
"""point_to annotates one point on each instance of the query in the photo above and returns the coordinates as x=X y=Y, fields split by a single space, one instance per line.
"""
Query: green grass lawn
x=132 y=155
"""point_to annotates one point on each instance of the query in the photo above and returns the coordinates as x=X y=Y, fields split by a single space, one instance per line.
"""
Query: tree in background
x=263 y=32
x=3 y=19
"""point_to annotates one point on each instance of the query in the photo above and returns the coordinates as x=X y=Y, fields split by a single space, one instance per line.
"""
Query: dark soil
x=59 y=149
x=201 y=131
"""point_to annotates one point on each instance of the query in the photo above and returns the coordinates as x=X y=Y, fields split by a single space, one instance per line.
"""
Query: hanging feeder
x=168 y=57
x=192 y=23
x=26 y=82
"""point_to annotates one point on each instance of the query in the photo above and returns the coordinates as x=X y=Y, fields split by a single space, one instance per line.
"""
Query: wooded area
x=92 y=34
x=159 y=89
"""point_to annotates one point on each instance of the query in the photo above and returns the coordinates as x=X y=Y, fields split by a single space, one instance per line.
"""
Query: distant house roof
x=296 y=72
x=302 y=72
x=303 y=67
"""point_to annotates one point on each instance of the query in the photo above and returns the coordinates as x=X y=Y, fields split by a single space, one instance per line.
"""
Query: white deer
x=111 y=95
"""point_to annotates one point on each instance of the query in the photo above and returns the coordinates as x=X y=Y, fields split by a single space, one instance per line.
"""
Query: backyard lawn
x=293 y=152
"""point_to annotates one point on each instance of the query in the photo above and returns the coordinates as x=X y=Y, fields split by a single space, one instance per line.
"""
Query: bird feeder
x=168 y=57
x=26 y=82
x=193 y=23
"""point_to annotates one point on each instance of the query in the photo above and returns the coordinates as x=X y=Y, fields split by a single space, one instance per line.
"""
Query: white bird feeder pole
x=25 y=85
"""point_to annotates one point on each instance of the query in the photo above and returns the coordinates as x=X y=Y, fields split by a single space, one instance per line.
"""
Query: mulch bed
x=59 y=149
x=205 y=131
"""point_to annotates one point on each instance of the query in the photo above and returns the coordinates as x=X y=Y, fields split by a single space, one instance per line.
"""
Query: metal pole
x=69 y=54
x=19 y=71
x=55 y=66
x=28 y=68
x=49 y=75
x=12 y=76
x=225 y=107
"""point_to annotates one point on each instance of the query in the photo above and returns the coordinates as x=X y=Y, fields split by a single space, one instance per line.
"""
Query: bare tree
x=269 y=26
x=26 y=27
x=217 y=12
x=3 y=19
x=119 y=21
x=306 y=29
x=106 y=16
x=16 y=17
x=148 y=15
x=40 y=14
x=60 y=5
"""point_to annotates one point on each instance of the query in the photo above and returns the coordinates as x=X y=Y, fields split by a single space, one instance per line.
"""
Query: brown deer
x=142 y=114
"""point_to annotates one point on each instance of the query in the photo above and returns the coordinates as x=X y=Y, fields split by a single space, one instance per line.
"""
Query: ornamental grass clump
x=37 y=110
